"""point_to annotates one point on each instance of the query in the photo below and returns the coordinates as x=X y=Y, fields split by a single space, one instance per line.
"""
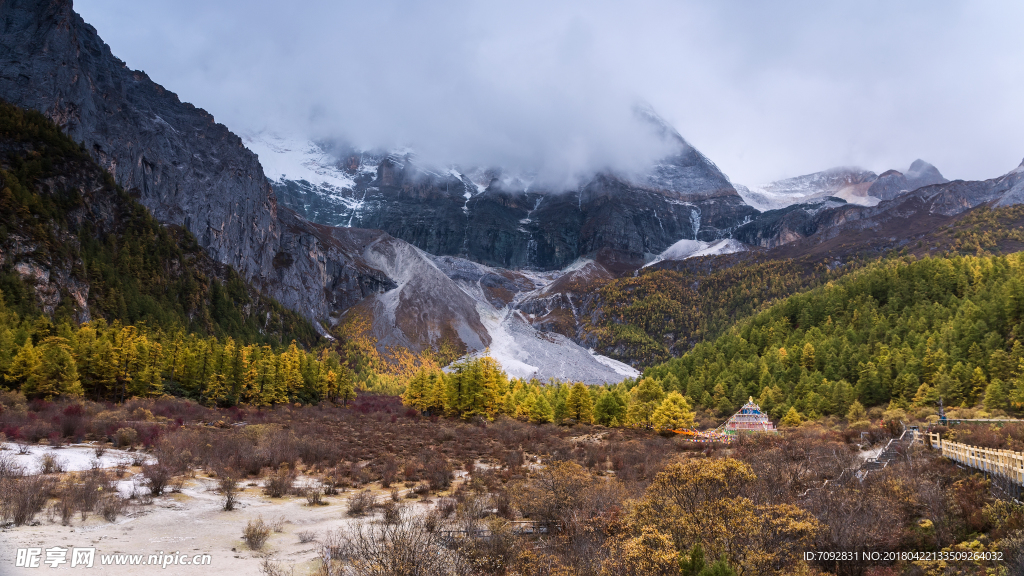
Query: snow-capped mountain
x=850 y=184
x=502 y=218
x=854 y=185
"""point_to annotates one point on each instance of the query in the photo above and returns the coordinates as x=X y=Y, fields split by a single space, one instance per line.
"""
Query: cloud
x=766 y=90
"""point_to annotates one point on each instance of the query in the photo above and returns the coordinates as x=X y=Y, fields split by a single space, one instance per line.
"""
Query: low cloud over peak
x=765 y=91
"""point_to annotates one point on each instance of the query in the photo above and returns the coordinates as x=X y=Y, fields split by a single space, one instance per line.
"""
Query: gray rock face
x=501 y=220
x=826 y=220
x=893 y=183
x=182 y=165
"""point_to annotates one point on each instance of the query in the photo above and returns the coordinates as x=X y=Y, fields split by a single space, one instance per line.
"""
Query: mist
x=766 y=91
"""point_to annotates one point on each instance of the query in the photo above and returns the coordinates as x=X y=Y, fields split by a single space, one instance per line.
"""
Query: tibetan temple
x=750 y=418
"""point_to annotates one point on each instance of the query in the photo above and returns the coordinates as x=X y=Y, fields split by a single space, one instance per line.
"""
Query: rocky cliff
x=187 y=169
x=507 y=220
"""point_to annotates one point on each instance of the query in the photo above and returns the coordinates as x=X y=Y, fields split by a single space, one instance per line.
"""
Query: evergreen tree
x=344 y=385
x=856 y=412
x=645 y=398
x=416 y=393
x=719 y=568
x=59 y=374
x=674 y=413
x=610 y=409
x=541 y=411
x=693 y=565
x=791 y=419
x=26 y=370
x=579 y=404
x=996 y=395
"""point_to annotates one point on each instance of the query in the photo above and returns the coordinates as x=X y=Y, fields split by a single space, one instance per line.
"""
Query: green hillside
x=901 y=331
x=64 y=219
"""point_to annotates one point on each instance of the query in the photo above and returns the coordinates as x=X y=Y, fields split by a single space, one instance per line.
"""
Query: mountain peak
x=922 y=173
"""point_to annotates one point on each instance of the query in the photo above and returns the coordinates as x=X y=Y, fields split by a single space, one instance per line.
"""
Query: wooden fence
x=1005 y=463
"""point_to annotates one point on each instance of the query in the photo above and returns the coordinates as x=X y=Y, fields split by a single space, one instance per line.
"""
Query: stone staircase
x=896 y=448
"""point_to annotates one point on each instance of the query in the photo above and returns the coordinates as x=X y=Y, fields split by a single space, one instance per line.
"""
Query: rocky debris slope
x=523 y=345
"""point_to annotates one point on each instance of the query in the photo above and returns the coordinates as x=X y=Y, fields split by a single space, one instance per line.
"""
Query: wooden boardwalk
x=1006 y=464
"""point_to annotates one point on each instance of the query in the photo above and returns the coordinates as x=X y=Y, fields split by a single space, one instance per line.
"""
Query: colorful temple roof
x=750 y=418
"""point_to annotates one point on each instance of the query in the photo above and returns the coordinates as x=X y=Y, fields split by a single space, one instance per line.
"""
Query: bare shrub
x=126 y=437
x=270 y=568
x=361 y=503
x=227 y=483
x=90 y=489
x=389 y=472
x=437 y=471
x=330 y=483
x=111 y=506
x=99 y=450
x=51 y=464
x=314 y=496
x=67 y=504
x=157 y=477
x=446 y=506
x=9 y=468
x=138 y=458
x=396 y=496
x=402 y=548
x=446 y=434
x=22 y=498
x=256 y=534
x=121 y=468
x=513 y=459
x=279 y=484
x=392 y=512
x=306 y=536
x=276 y=524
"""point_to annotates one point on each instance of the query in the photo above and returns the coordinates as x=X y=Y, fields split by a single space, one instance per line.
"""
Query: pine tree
x=7 y=348
x=807 y=359
x=610 y=409
x=791 y=419
x=996 y=395
x=59 y=375
x=345 y=386
x=416 y=393
x=579 y=404
x=856 y=413
x=693 y=565
x=541 y=411
x=977 y=386
x=674 y=413
x=645 y=398
x=27 y=371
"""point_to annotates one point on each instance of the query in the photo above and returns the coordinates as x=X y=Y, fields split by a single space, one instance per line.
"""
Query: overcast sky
x=765 y=89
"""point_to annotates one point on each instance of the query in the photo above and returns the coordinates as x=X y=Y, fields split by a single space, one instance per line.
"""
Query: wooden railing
x=1005 y=463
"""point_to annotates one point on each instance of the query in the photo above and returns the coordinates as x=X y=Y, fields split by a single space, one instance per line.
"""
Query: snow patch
x=692 y=248
x=620 y=367
x=285 y=158
x=75 y=458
